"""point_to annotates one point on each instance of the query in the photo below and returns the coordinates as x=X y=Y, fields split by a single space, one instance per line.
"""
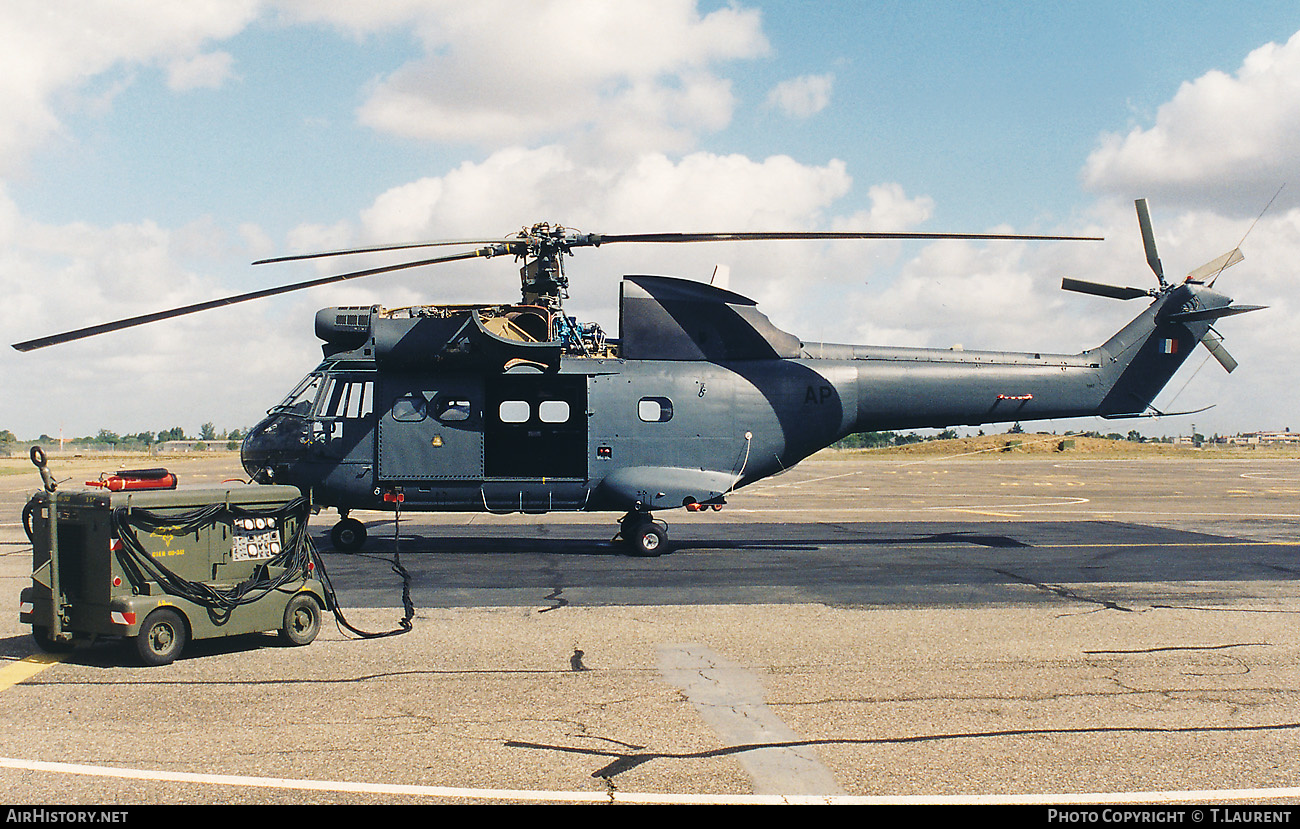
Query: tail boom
x=911 y=388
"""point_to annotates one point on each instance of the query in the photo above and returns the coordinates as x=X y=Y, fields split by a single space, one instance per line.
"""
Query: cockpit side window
x=348 y=399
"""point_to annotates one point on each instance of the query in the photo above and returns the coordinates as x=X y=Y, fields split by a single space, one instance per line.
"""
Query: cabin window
x=514 y=411
x=655 y=409
x=553 y=411
x=455 y=410
x=409 y=408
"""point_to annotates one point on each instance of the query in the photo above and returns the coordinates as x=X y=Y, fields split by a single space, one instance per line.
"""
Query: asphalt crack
x=1064 y=592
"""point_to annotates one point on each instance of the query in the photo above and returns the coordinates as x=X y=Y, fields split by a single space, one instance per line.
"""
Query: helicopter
x=519 y=408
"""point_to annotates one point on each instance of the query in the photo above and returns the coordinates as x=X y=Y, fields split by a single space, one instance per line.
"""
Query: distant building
x=1283 y=438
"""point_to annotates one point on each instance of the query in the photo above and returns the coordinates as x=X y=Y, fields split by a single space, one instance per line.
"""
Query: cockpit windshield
x=300 y=400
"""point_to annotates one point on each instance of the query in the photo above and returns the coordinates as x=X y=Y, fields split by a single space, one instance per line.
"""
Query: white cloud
x=700 y=191
x=802 y=97
x=1223 y=140
x=44 y=54
x=206 y=71
x=226 y=365
x=627 y=76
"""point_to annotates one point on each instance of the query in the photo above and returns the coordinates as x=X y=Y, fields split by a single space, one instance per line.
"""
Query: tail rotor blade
x=1214 y=343
x=1100 y=289
x=1149 y=240
x=1211 y=270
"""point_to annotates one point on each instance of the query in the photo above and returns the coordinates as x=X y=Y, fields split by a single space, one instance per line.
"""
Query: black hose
x=295 y=558
x=299 y=558
x=404 y=625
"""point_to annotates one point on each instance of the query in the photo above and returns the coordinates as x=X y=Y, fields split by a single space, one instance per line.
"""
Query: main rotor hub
x=542 y=277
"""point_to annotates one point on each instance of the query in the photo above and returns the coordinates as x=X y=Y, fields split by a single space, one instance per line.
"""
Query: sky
x=150 y=151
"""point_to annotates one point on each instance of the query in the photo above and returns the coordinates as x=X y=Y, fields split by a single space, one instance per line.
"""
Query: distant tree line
x=878 y=440
x=106 y=438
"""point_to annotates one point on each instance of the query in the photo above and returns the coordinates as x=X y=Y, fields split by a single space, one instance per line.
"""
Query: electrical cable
x=296 y=559
x=299 y=559
x=404 y=625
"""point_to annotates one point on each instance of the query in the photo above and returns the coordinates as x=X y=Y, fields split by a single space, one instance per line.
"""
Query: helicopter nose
x=271 y=447
x=253 y=453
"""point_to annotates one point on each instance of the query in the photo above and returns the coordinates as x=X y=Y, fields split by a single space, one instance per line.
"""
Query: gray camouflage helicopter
x=520 y=408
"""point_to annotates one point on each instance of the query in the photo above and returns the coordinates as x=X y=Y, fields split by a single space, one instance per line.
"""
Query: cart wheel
x=47 y=643
x=162 y=637
x=301 y=620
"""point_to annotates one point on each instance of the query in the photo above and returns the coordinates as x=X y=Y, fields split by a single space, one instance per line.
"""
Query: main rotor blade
x=131 y=322
x=597 y=239
x=295 y=257
x=1149 y=240
x=1099 y=289
x=606 y=239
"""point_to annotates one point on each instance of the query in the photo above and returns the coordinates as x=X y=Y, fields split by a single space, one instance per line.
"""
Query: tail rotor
x=1199 y=281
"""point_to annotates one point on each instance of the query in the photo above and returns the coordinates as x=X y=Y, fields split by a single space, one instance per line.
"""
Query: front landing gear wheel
x=348 y=535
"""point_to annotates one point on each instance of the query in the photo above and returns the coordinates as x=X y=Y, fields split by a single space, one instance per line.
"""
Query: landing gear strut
x=643 y=535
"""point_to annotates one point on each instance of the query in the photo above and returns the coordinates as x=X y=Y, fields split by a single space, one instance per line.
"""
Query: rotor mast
x=542 y=279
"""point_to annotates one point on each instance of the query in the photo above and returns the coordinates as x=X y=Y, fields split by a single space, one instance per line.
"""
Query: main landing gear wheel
x=348 y=535
x=643 y=536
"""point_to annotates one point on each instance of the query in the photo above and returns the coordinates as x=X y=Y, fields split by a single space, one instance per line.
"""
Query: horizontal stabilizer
x=1099 y=289
x=1214 y=313
x=1154 y=412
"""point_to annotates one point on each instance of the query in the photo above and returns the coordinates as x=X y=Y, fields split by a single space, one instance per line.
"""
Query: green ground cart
x=161 y=567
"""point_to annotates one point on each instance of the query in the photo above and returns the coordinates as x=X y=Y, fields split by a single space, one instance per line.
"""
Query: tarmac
x=1050 y=629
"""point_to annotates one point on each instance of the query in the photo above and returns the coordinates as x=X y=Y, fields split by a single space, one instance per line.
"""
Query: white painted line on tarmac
x=526 y=796
x=730 y=699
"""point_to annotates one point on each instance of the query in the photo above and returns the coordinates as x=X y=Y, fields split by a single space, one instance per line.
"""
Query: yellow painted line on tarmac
x=26 y=668
x=986 y=512
x=1184 y=544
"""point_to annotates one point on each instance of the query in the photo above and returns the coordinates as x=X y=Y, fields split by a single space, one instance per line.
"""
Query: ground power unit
x=160 y=564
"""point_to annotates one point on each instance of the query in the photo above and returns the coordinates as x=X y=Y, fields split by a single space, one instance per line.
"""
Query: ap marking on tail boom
x=520 y=408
